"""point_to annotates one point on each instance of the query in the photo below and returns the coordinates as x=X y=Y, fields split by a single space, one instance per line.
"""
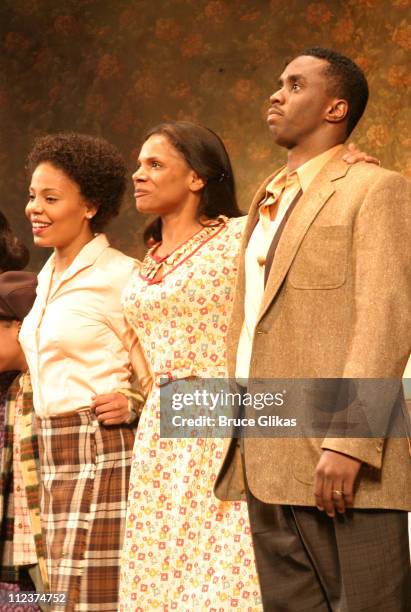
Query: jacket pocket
x=321 y=261
x=306 y=459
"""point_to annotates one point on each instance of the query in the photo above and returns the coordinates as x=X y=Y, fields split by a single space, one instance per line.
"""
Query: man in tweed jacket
x=324 y=292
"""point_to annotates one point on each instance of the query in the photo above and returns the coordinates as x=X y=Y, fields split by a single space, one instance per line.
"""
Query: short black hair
x=205 y=153
x=14 y=255
x=93 y=163
x=347 y=81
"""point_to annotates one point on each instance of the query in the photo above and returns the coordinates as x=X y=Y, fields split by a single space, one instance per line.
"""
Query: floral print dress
x=184 y=549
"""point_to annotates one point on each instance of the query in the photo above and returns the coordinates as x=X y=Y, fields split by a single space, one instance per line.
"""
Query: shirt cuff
x=367 y=450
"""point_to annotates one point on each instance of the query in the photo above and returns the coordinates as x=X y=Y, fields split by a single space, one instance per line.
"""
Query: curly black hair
x=14 y=255
x=93 y=163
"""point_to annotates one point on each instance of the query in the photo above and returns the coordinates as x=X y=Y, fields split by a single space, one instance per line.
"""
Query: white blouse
x=76 y=339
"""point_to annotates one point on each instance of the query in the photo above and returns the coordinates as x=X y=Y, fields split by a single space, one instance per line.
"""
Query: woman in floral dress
x=184 y=549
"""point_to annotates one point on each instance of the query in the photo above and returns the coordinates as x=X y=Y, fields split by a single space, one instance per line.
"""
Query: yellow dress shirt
x=76 y=339
x=280 y=193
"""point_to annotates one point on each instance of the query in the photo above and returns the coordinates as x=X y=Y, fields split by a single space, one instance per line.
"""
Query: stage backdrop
x=115 y=68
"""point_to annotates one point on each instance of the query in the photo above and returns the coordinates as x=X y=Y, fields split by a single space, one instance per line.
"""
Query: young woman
x=20 y=552
x=80 y=351
x=22 y=545
x=184 y=549
x=13 y=256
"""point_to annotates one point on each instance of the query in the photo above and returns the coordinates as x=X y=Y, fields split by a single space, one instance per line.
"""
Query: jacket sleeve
x=381 y=336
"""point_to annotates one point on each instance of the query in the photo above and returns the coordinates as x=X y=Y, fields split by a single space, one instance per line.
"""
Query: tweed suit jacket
x=337 y=304
x=31 y=479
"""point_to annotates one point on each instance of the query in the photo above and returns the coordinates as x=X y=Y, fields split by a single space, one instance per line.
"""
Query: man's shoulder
x=372 y=172
x=371 y=181
x=362 y=173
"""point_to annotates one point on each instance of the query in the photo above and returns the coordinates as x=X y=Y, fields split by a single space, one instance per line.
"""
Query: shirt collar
x=306 y=173
x=85 y=258
x=277 y=183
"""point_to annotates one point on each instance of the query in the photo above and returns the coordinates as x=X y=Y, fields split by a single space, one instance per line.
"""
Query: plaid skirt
x=85 y=469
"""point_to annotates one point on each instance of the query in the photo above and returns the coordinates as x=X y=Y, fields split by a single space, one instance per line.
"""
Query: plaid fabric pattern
x=85 y=471
x=24 y=549
x=20 y=391
x=8 y=572
x=6 y=379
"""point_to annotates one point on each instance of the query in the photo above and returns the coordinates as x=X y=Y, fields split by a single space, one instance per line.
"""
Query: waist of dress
x=165 y=378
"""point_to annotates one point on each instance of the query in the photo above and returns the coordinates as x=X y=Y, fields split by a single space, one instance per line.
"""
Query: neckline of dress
x=152 y=251
x=151 y=264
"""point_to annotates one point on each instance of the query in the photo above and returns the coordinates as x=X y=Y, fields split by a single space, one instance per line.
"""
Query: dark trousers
x=308 y=562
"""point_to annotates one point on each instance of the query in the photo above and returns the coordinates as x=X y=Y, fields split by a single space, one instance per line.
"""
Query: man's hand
x=335 y=476
x=111 y=409
x=354 y=155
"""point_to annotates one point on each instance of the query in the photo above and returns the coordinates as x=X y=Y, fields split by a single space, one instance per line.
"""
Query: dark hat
x=17 y=294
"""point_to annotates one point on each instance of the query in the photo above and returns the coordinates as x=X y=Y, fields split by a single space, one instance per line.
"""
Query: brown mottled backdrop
x=115 y=68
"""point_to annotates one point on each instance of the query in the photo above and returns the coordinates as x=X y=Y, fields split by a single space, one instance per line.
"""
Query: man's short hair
x=347 y=81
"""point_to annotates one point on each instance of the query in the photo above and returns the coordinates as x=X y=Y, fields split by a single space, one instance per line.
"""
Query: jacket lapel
x=306 y=210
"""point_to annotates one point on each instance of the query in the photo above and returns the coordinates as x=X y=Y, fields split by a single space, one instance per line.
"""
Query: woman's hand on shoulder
x=354 y=155
x=111 y=408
